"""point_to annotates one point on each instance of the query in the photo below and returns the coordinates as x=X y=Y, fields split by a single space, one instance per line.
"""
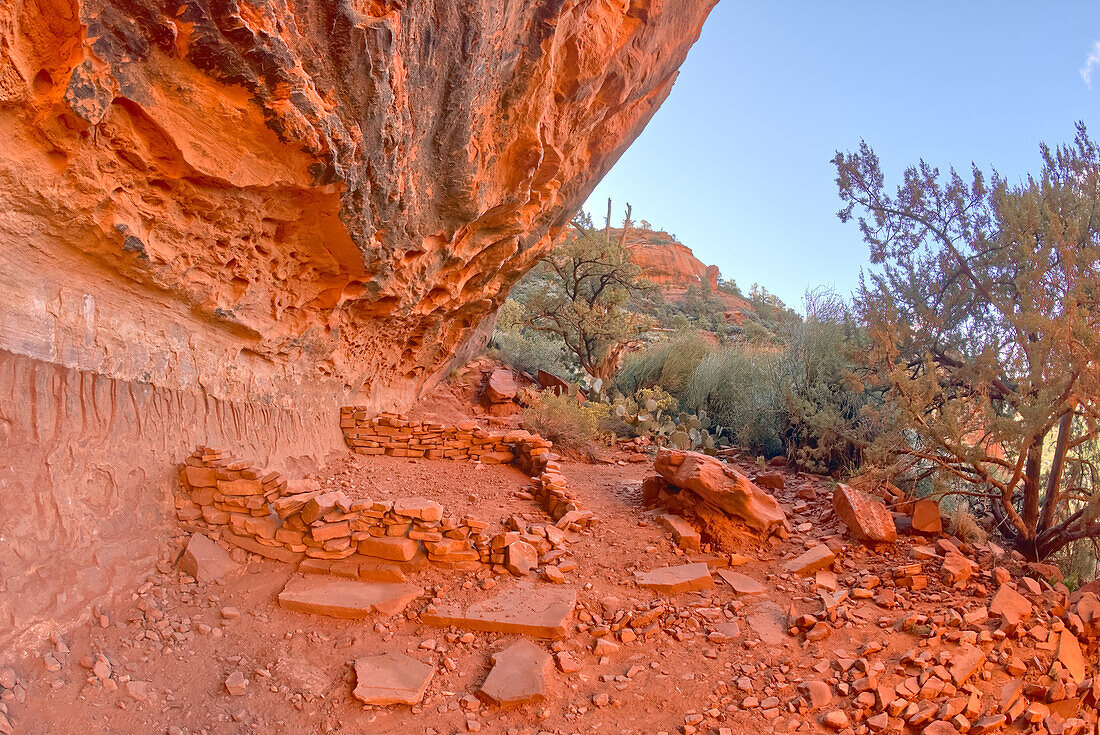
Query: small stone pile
x=718 y=499
x=396 y=435
x=379 y=540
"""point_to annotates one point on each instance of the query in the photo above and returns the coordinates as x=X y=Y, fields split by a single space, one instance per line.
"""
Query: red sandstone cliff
x=667 y=262
x=673 y=266
x=222 y=219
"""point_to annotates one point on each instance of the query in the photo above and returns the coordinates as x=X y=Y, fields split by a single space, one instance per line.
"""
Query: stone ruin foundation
x=329 y=532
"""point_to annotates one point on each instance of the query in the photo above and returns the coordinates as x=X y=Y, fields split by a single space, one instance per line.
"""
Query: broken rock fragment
x=1010 y=605
x=742 y=583
x=683 y=533
x=236 y=684
x=865 y=516
x=926 y=517
x=956 y=568
x=673 y=580
x=1070 y=656
x=391 y=678
x=520 y=558
x=964 y=663
x=205 y=560
x=811 y=560
x=518 y=675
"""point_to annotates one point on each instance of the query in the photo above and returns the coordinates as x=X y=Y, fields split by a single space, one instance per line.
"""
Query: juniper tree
x=982 y=311
x=588 y=282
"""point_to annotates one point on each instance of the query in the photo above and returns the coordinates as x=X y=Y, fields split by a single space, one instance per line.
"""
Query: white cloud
x=1091 y=61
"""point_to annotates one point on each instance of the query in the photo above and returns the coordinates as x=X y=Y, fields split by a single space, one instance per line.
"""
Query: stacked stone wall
x=396 y=435
x=298 y=522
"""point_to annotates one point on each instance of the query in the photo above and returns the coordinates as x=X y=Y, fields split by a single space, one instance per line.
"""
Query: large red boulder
x=865 y=516
x=501 y=386
x=722 y=487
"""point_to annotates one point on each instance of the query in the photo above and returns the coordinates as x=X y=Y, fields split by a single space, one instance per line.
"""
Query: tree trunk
x=1033 y=467
x=1054 y=482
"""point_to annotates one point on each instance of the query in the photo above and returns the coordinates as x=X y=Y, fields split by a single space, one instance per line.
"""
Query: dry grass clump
x=574 y=428
x=964 y=526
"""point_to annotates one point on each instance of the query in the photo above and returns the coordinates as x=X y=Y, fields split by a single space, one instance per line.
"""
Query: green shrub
x=526 y=349
x=740 y=390
x=665 y=364
x=828 y=421
x=793 y=391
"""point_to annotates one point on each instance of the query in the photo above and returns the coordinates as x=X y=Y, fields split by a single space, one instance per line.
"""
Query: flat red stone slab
x=391 y=678
x=742 y=584
x=768 y=621
x=518 y=675
x=344 y=598
x=672 y=580
x=542 y=612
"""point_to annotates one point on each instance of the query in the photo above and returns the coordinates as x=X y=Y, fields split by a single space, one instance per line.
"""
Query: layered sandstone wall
x=319 y=190
x=87 y=469
x=219 y=214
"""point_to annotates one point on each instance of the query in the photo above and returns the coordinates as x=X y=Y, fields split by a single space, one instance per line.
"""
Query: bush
x=667 y=364
x=562 y=420
x=826 y=402
x=791 y=393
x=740 y=389
x=526 y=349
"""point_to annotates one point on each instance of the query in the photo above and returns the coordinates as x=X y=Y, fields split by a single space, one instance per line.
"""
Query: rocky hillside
x=222 y=220
x=668 y=262
x=672 y=265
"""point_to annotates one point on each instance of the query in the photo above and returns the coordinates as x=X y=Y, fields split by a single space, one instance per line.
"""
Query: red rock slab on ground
x=344 y=598
x=683 y=533
x=1010 y=605
x=768 y=621
x=1070 y=656
x=391 y=678
x=926 y=517
x=518 y=675
x=205 y=560
x=811 y=560
x=956 y=568
x=964 y=663
x=770 y=480
x=865 y=516
x=540 y=612
x=673 y=580
x=742 y=583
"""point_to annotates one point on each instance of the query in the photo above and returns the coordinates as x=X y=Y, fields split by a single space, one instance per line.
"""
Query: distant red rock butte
x=673 y=266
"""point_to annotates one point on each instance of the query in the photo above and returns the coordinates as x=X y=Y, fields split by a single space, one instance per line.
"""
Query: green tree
x=588 y=282
x=982 y=311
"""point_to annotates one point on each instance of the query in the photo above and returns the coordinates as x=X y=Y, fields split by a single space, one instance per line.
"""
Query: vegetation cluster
x=966 y=367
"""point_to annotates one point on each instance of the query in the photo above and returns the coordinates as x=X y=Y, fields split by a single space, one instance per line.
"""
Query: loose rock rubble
x=808 y=627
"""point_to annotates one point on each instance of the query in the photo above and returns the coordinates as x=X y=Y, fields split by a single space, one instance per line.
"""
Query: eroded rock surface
x=221 y=221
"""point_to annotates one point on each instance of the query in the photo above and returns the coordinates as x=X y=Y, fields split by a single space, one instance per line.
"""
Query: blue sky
x=736 y=162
